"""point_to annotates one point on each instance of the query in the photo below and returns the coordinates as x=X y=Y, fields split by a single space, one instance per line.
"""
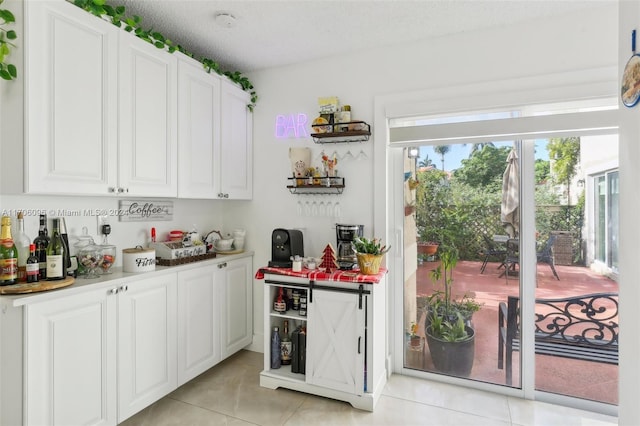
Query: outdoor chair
x=491 y=252
x=546 y=254
x=512 y=258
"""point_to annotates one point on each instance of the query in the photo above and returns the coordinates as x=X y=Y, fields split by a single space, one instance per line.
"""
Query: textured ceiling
x=270 y=33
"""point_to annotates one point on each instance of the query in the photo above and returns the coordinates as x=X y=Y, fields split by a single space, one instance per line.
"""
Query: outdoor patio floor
x=584 y=379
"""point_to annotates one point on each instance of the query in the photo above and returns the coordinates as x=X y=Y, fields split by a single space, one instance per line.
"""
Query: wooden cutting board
x=36 y=287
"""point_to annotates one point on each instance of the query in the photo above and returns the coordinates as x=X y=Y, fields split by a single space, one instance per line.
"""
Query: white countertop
x=114 y=279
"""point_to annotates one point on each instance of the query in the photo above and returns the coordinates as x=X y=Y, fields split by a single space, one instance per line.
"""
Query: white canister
x=138 y=259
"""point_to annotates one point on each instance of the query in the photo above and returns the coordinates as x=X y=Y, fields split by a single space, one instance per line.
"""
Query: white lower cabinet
x=215 y=315
x=70 y=361
x=345 y=339
x=74 y=353
x=147 y=342
x=236 y=308
x=98 y=356
x=199 y=296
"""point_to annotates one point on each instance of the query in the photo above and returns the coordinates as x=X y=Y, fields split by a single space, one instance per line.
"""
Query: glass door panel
x=460 y=276
x=576 y=229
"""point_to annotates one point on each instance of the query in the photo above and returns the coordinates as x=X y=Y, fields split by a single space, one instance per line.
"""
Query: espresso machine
x=345 y=234
x=285 y=244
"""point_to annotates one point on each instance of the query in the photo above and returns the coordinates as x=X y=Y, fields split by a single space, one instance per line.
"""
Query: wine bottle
x=56 y=260
x=285 y=345
x=8 y=254
x=42 y=242
x=280 y=305
x=22 y=242
x=33 y=265
x=275 y=348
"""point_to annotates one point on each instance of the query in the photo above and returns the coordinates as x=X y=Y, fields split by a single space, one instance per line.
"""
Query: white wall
x=206 y=215
x=583 y=41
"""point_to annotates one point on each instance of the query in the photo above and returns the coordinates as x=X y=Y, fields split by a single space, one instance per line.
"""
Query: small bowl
x=223 y=244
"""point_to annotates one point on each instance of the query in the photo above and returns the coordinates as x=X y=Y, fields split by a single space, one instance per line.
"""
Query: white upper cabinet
x=70 y=101
x=198 y=131
x=101 y=116
x=236 y=157
x=148 y=150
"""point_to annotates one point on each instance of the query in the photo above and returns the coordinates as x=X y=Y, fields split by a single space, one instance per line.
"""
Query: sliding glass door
x=495 y=228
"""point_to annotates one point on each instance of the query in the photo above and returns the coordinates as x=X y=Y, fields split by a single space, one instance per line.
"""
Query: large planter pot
x=427 y=249
x=454 y=358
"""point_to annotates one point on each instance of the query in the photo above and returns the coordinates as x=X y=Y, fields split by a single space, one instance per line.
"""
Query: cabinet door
x=70 y=374
x=199 y=298
x=147 y=150
x=237 y=305
x=71 y=100
x=198 y=131
x=147 y=351
x=336 y=341
x=236 y=165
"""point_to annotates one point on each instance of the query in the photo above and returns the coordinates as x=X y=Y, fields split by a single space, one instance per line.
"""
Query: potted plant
x=450 y=335
x=414 y=338
x=369 y=254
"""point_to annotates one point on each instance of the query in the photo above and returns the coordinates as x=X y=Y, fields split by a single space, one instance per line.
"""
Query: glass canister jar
x=84 y=240
x=108 y=253
x=90 y=258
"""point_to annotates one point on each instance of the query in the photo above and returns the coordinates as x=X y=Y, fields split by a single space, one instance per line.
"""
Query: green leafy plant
x=447 y=317
x=373 y=246
x=133 y=24
x=7 y=71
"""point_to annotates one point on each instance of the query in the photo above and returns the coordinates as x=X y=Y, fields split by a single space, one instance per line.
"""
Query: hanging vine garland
x=7 y=71
x=133 y=24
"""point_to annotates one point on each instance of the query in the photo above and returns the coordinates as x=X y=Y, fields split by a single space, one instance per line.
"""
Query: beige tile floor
x=230 y=394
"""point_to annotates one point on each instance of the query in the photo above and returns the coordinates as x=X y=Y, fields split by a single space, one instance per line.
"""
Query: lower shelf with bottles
x=294 y=313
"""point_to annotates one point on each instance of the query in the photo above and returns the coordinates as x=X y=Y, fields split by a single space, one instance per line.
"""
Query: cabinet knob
x=121 y=190
x=124 y=288
x=113 y=291
x=111 y=189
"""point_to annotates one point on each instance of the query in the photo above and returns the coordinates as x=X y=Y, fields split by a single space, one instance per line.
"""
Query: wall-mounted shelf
x=320 y=185
x=352 y=131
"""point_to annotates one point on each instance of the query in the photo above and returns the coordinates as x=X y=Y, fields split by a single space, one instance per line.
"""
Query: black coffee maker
x=345 y=234
x=285 y=243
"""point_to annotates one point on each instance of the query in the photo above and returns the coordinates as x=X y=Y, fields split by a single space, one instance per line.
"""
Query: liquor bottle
x=42 y=242
x=56 y=256
x=33 y=265
x=280 y=304
x=8 y=254
x=67 y=251
x=285 y=345
x=22 y=242
x=275 y=348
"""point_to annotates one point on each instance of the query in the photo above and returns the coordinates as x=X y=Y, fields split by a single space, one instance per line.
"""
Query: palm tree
x=442 y=150
x=478 y=147
x=426 y=162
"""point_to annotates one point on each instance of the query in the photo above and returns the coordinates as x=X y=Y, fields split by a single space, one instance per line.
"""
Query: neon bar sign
x=288 y=126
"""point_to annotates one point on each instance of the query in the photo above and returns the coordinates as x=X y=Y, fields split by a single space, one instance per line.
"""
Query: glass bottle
x=8 y=254
x=56 y=256
x=42 y=242
x=285 y=345
x=22 y=242
x=33 y=265
x=280 y=304
x=275 y=348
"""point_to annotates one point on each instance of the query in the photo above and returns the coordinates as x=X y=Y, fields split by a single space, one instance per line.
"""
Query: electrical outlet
x=102 y=220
